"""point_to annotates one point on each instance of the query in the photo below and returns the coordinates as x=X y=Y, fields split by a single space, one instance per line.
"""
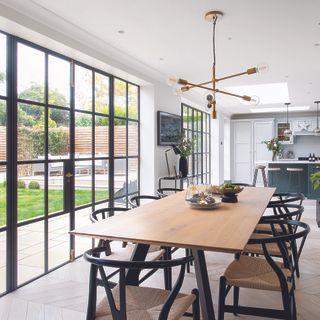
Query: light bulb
x=255 y=100
x=287 y=133
x=172 y=81
x=262 y=68
x=316 y=131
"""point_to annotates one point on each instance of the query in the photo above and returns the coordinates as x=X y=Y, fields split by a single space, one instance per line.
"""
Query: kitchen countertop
x=291 y=161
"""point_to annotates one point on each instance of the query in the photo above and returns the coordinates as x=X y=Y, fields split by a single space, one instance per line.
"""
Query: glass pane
x=185 y=117
x=30 y=251
x=83 y=182
x=133 y=139
x=101 y=180
x=120 y=100
x=83 y=88
x=59 y=81
x=30 y=191
x=83 y=135
x=59 y=240
x=133 y=101
x=121 y=202
x=3 y=65
x=101 y=93
x=3 y=257
x=3 y=196
x=101 y=136
x=3 y=130
x=58 y=135
x=133 y=175
x=55 y=187
x=31 y=74
x=120 y=188
x=81 y=219
x=120 y=140
x=30 y=132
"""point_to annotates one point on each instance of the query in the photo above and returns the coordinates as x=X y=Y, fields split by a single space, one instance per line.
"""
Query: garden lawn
x=31 y=202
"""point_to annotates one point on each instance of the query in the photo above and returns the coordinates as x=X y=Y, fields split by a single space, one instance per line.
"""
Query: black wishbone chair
x=126 y=251
x=135 y=201
x=284 y=212
x=264 y=273
x=164 y=192
x=126 y=302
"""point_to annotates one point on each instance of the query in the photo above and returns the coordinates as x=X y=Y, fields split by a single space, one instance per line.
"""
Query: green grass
x=31 y=202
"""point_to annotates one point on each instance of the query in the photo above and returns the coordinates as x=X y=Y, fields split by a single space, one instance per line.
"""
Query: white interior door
x=242 y=152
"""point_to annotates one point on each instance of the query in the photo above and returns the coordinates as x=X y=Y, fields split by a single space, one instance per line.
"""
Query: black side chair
x=135 y=201
x=126 y=251
x=282 y=212
x=264 y=273
x=164 y=192
x=136 y=302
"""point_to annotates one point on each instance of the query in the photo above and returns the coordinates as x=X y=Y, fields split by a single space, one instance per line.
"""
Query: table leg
x=201 y=272
x=139 y=254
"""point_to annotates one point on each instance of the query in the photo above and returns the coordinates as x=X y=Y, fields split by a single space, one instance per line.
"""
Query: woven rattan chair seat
x=124 y=254
x=254 y=273
x=272 y=248
x=145 y=303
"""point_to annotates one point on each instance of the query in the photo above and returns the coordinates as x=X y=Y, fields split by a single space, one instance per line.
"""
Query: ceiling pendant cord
x=214 y=114
x=317 y=114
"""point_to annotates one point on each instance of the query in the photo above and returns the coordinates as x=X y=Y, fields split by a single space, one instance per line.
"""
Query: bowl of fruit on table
x=229 y=192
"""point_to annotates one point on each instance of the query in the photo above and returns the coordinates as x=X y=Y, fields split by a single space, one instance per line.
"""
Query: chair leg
x=235 y=299
x=286 y=301
x=196 y=306
x=222 y=298
x=294 y=306
x=188 y=264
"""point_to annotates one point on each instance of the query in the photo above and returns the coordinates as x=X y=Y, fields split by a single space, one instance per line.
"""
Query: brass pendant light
x=211 y=85
x=316 y=131
x=288 y=132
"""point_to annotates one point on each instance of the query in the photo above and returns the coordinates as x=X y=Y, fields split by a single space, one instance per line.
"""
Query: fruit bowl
x=229 y=192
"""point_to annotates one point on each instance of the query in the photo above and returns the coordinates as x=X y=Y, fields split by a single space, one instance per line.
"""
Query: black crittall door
x=69 y=144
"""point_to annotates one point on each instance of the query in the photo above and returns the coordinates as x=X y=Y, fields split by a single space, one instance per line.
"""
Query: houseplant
x=275 y=146
x=315 y=180
x=185 y=147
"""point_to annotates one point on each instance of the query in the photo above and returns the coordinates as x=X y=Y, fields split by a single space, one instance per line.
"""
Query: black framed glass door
x=72 y=146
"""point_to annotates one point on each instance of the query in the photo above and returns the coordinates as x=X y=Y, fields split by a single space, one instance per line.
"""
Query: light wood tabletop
x=171 y=222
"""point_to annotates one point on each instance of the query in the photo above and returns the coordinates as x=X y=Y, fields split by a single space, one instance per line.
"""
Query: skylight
x=279 y=109
x=269 y=93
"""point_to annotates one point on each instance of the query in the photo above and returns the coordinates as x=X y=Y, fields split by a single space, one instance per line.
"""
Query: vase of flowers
x=275 y=146
x=185 y=147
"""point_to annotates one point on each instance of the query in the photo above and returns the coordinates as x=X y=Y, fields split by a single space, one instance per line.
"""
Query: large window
x=73 y=146
x=196 y=126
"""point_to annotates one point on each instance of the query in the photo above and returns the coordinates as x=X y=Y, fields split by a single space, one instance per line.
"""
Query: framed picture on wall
x=169 y=128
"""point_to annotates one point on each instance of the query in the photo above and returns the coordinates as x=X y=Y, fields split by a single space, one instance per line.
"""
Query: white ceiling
x=282 y=34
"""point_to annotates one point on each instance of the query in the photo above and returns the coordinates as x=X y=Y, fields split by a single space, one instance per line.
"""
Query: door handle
x=69 y=175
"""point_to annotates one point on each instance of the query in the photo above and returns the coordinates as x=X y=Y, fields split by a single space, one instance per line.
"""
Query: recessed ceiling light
x=279 y=109
x=310 y=83
x=121 y=31
x=229 y=38
x=286 y=76
x=317 y=44
x=161 y=59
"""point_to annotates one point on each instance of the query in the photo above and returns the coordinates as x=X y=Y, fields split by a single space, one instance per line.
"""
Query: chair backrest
x=119 y=312
x=287 y=211
x=104 y=213
x=135 y=201
x=284 y=231
x=164 y=192
x=286 y=197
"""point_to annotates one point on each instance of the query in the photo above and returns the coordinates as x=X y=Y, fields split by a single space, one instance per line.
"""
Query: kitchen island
x=280 y=179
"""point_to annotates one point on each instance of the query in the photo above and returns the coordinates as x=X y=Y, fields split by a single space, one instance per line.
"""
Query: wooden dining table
x=171 y=222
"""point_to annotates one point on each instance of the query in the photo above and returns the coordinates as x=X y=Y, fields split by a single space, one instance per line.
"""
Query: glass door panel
x=30 y=251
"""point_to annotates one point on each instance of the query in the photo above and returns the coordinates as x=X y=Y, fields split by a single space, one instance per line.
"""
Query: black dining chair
x=265 y=273
x=136 y=302
x=282 y=212
x=124 y=253
x=136 y=201
x=164 y=192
